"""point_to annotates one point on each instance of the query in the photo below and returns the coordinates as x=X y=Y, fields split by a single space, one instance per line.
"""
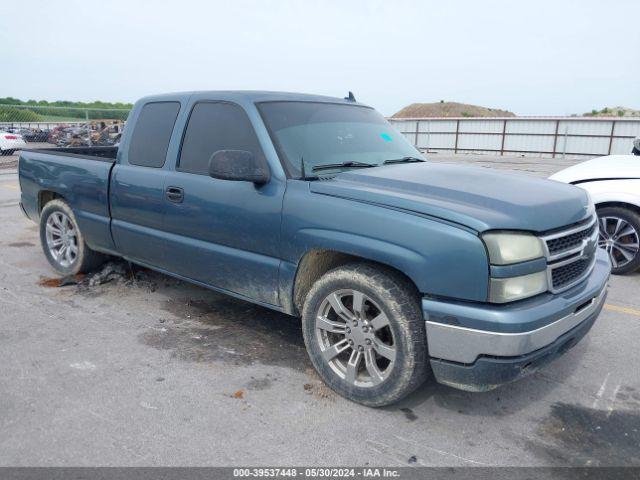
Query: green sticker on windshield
x=386 y=137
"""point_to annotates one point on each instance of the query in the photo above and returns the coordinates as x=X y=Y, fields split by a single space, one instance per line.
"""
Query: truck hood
x=601 y=168
x=479 y=198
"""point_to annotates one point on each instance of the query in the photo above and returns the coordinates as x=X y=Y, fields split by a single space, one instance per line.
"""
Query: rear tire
x=63 y=243
x=619 y=235
x=379 y=334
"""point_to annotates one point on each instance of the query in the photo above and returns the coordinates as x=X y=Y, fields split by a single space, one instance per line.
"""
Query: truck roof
x=252 y=96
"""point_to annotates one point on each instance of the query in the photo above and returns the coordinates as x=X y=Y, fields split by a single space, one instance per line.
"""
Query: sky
x=536 y=57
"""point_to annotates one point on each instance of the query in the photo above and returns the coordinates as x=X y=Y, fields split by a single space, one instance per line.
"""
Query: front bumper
x=479 y=347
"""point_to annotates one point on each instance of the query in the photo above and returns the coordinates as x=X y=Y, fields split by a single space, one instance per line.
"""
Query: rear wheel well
x=45 y=196
x=628 y=206
x=316 y=263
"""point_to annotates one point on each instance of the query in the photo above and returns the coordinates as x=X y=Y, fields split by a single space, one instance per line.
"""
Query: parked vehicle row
x=400 y=269
x=95 y=132
x=10 y=142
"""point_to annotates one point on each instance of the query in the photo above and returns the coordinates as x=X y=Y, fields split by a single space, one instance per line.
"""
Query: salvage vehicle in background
x=35 y=135
x=10 y=142
x=317 y=207
x=613 y=182
x=93 y=133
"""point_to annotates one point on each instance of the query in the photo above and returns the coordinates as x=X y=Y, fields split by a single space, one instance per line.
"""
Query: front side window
x=327 y=133
x=152 y=134
x=215 y=126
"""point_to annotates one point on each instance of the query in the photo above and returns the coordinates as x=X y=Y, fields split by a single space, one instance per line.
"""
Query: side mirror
x=239 y=166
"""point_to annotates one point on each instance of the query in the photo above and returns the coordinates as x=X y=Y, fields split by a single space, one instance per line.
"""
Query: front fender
x=622 y=191
x=441 y=259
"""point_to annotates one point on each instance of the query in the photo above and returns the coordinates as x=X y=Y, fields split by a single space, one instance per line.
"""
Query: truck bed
x=107 y=154
x=78 y=175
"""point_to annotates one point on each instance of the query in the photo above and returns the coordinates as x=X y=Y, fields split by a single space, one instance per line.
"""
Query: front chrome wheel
x=355 y=338
x=62 y=239
x=620 y=240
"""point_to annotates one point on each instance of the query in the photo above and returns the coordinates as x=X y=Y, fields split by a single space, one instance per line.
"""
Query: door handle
x=174 y=194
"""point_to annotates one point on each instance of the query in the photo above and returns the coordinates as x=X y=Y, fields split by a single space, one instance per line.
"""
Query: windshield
x=327 y=133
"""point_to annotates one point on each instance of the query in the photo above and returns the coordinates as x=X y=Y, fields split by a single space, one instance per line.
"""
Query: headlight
x=512 y=247
x=503 y=290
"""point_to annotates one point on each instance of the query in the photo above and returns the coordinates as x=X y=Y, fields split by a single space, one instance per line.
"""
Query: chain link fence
x=27 y=126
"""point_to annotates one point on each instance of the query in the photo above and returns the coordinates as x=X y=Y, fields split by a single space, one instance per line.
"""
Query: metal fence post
x=564 y=144
x=455 y=148
x=428 y=135
x=86 y=115
x=417 y=132
x=613 y=128
x=555 y=139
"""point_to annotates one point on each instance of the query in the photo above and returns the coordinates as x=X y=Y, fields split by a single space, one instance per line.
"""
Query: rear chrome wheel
x=619 y=236
x=355 y=339
x=62 y=239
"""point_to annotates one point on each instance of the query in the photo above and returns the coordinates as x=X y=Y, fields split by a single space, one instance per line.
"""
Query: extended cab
x=318 y=208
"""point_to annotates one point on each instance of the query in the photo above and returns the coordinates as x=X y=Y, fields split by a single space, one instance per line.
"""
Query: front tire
x=619 y=235
x=365 y=335
x=62 y=241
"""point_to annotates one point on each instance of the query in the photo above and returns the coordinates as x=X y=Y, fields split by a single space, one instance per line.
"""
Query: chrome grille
x=566 y=274
x=570 y=255
x=560 y=244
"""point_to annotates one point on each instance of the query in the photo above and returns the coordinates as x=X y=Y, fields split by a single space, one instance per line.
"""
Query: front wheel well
x=628 y=206
x=315 y=263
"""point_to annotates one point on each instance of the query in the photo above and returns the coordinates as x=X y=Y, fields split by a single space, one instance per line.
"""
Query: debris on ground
x=238 y=394
x=61 y=282
x=318 y=389
x=115 y=271
x=85 y=365
x=110 y=271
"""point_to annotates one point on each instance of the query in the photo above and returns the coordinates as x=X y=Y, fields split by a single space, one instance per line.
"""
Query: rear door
x=223 y=233
x=137 y=185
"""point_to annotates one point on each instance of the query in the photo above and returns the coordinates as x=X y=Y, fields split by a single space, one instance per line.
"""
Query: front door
x=223 y=233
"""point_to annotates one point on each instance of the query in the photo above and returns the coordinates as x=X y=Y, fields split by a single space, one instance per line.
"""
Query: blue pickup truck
x=400 y=269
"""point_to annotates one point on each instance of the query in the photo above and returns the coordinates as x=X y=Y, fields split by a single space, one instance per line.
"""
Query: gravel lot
x=147 y=370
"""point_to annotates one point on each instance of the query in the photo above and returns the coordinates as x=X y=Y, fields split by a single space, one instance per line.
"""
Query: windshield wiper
x=349 y=164
x=403 y=160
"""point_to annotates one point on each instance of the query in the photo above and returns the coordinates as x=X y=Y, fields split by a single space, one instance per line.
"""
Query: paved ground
x=539 y=167
x=151 y=371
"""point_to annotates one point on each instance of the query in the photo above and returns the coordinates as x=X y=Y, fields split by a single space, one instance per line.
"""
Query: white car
x=614 y=184
x=10 y=142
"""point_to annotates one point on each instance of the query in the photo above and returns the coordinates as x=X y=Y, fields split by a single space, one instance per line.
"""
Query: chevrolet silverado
x=399 y=268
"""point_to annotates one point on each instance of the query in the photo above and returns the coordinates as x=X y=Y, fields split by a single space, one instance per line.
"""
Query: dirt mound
x=449 y=109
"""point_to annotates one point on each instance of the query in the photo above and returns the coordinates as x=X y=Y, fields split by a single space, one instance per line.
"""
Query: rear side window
x=152 y=133
x=215 y=126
